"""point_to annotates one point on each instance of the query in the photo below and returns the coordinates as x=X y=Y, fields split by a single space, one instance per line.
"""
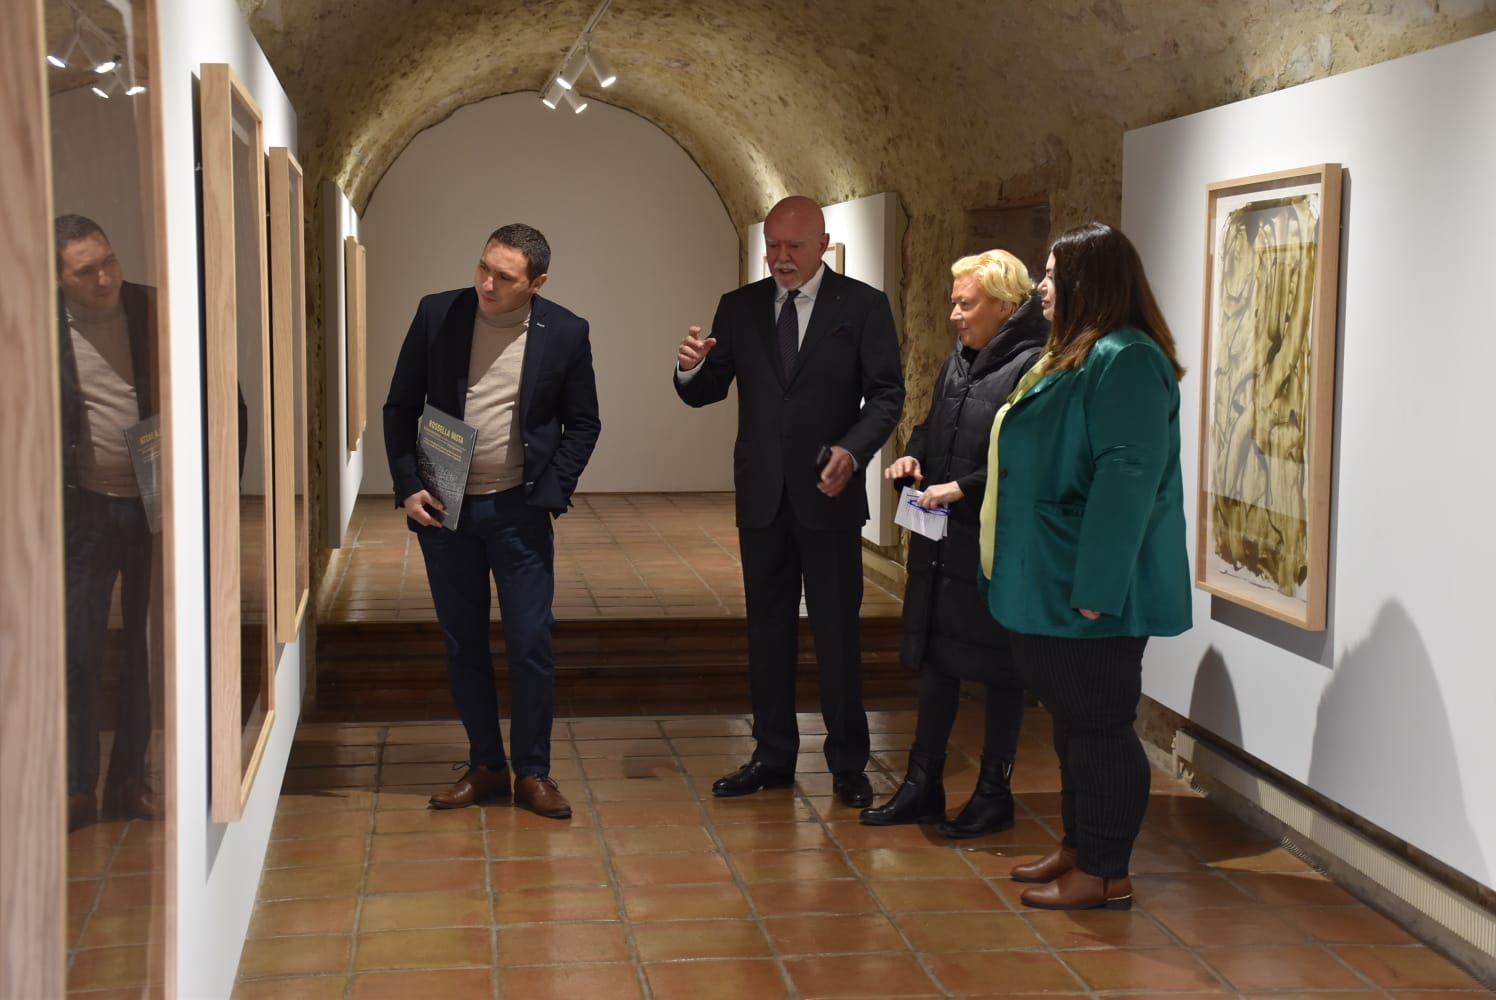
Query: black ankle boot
x=920 y=799
x=991 y=807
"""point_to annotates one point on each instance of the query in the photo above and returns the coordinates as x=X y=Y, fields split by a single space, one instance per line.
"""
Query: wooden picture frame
x=288 y=385
x=355 y=330
x=33 y=758
x=236 y=354
x=1267 y=398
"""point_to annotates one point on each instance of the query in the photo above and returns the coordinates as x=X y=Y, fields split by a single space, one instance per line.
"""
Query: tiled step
x=396 y=670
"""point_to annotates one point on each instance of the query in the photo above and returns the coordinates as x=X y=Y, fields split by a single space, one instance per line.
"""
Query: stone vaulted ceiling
x=952 y=104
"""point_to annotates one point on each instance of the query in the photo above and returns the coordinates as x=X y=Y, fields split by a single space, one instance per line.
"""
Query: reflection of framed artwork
x=1272 y=260
x=355 y=310
x=237 y=361
x=835 y=258
x=288 y=382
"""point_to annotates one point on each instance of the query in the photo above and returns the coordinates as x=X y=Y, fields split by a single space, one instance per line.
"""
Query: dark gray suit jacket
x=847 y=389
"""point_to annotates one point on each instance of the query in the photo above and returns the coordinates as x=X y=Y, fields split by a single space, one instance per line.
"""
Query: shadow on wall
x=1213 y=702
x=1382 y=745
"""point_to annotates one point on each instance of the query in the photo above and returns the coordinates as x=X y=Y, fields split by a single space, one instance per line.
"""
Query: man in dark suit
x=106 y=356
x=519 y=369
x=816 y=359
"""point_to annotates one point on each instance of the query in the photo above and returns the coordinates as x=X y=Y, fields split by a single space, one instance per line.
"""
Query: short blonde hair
x=1001 y=275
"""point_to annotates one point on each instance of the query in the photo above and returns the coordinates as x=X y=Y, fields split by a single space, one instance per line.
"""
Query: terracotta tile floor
x=656 y=890
x=618 y=555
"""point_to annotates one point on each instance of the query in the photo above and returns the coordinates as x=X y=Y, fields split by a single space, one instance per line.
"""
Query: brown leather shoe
x=479 y=784
x=1048 y=868
x=1075 y=890
x=541 y=796
x=82 y=810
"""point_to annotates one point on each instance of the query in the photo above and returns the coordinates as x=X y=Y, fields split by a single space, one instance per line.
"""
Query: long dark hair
x=1099 y=286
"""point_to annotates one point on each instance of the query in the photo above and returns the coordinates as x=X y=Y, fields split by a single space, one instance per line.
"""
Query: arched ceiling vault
x=940 y=101
x=952 y=104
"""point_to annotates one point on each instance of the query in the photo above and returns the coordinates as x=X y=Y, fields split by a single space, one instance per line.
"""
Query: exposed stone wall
x=953 y=104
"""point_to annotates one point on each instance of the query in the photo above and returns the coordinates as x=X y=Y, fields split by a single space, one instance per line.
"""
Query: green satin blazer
x=1090 y=503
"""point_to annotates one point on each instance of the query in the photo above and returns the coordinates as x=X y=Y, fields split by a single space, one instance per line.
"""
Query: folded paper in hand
x=930 y=523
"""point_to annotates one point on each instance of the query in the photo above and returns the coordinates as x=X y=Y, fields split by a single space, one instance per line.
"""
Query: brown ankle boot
x=1048 y=868
x=1076 y=890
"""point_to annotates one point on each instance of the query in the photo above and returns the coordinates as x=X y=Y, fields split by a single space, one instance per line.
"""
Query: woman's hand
x=904 y=467
x=941 y=495
x=1088 y=613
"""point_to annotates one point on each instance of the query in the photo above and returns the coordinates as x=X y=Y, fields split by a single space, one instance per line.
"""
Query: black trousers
x=1091 y=688
x=776 y=559
x=939 y=701
x=106 y=539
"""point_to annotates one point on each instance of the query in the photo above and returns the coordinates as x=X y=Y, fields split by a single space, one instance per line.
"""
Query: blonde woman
x=948 y=634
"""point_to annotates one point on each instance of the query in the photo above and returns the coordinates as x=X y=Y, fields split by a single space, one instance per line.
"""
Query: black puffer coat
x=946 y=622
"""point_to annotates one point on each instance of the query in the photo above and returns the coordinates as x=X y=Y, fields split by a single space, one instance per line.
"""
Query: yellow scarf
x=988 y=536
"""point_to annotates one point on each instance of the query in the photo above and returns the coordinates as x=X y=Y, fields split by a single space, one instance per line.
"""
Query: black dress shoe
x=852 y=789
x=752 y=777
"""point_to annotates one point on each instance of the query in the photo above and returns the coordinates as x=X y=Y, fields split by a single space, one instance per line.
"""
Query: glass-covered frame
x=240 y=531
x=288 y=383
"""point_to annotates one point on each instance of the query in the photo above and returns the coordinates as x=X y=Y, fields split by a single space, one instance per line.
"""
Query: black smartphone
x=823 y=456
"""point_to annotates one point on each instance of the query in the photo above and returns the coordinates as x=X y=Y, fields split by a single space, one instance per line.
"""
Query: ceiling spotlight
x=61 y=62
x=567 y=78
x=600 y=68
x=102 y=91
x=552 y=95
x=578 y=104
x=134 y=89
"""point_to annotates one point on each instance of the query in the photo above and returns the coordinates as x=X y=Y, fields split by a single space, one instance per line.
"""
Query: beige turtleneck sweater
x=106 y=383
x=492 y=404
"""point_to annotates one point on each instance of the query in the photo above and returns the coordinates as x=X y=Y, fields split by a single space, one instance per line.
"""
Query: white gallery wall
x=217 y=865
x=641 y=247
x=1389 y=711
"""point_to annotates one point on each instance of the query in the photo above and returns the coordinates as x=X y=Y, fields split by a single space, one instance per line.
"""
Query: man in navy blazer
x=816 y=359
x=519 y=368
x=106 y=362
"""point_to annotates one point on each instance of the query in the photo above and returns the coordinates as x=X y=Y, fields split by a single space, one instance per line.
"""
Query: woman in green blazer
x=1084 y=550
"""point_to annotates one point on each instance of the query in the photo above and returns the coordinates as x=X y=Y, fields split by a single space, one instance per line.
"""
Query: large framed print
x=288 y=391
x=241 y=534
x=356 y=330
x=1272 y=261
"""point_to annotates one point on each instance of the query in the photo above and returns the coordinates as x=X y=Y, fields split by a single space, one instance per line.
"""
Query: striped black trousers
x=1091 y=688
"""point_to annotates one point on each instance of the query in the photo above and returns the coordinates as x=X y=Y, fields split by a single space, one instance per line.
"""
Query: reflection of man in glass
x=105 y=327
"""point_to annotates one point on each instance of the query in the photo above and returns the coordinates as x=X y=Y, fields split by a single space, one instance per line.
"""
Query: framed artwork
x=236 y=354
x=355 y=314
x=1272 y=260
x=288 y=386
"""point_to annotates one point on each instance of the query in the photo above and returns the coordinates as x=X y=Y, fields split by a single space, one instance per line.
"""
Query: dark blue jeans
x=498 y=535
x=107 y=539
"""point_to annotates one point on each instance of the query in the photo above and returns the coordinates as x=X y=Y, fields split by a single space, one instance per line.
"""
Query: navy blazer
x=847 y=389
x=558 y=414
